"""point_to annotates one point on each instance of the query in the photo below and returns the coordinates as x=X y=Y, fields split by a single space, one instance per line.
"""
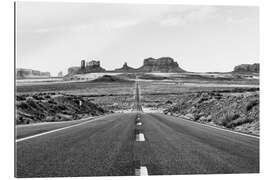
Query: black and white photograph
x=134 y=89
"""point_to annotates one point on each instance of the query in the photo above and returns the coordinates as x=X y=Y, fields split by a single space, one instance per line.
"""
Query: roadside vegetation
x=230 y=102
x=236 y=110
x=53 y=107
x=72 y=100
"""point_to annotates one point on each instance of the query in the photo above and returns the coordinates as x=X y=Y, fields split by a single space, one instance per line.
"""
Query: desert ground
x=220 y=99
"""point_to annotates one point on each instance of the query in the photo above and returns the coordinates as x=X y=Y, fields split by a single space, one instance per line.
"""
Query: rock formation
x=60 y=74
x=163 y=64
x=91 y=66
x=73 y=70
x=22 y=73
x=247 y=68
x=125 y=68
x=86 y=67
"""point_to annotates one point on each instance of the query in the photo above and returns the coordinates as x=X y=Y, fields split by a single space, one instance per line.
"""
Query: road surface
x=111 y=146
x=137 y=102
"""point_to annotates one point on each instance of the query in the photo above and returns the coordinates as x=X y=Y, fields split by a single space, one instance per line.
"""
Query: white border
x=7 y=105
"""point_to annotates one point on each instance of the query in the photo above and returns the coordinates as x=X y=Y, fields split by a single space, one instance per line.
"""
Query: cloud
x=115 y=24
x=172 y=21
x=231 y=20
x=105 y=25
x=201 y=13
x=184 y=16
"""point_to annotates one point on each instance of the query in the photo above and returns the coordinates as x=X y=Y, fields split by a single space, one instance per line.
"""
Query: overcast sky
x=54 y=36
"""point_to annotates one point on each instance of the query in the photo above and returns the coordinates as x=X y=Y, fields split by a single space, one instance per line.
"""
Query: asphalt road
x=107 y=146
x=137 y=99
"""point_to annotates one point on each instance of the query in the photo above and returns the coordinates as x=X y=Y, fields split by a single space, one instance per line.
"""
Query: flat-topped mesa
x=125 y=68
x=247 y=68
x=90 y=67
x=163 y=64
x=22 y=73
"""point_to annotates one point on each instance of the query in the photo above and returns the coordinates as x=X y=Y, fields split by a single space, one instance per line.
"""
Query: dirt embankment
x=237 y=111
x=108 y=78
x=50 y=107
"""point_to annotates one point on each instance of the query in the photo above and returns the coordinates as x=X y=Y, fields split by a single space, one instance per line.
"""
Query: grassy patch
x=238 y=122
x=251 y=104
x=228 y=118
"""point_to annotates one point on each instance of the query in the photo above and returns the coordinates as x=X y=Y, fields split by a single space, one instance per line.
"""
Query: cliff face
x=247 y=68
x=163 y=64
x=30 y=73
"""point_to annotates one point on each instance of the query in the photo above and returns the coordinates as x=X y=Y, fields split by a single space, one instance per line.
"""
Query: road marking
x=55 y=130
x=248 y=135
x=140 y=137
x=142 y=171
x=139 y=123
x=46 y=123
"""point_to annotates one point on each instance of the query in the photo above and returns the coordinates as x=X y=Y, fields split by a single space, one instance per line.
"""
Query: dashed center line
x=139 y=123
x=141 y=171
x=140 y=137
x=144 y=171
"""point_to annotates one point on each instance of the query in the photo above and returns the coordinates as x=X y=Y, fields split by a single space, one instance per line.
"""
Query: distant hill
x=22 y=73
x=151 y=77
x=247 y=68
x=108 y=78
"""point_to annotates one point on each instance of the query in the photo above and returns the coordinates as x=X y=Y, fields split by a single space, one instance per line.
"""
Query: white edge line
x=55 y=130
x=139 y=124
x=141 y=136
x=185 y=119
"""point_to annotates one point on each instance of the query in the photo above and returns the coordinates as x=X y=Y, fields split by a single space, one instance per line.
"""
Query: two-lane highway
x=137 y=101
x=116 y=144
x=108 y=147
